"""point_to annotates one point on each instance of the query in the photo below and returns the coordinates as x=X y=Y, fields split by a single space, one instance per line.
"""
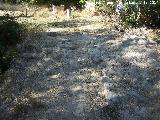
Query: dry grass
x=39 y=17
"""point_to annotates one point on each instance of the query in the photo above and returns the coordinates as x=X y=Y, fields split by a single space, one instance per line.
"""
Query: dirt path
x=81 y=71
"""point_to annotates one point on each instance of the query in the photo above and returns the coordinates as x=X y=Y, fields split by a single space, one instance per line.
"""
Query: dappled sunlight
x=83 y=69
x=78 y=25
x=55 y=76
x=76 y=88
x=91 y=27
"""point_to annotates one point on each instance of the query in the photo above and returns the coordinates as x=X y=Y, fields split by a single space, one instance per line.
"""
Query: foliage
x=10 y=34
x=131 y=15
x=104 y=8
x=143 y=12
x=68 y=3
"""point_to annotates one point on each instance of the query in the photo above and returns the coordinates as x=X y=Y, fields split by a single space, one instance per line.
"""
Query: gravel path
x=83 y=72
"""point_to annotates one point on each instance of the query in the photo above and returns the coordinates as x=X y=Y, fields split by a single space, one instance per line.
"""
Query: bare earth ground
x=82 y=70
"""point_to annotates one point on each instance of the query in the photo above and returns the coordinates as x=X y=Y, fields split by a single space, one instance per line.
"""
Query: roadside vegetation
x=11 y=33
x=136 y=13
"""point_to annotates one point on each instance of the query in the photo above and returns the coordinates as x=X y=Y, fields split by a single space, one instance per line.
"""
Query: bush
x=10 y=34
x=140 y=14
x=79 y=4
x=104 y=8
x=143 y=12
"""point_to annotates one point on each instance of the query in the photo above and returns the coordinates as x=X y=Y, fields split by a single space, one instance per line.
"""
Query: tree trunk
x=67 y=9
x=53 y=10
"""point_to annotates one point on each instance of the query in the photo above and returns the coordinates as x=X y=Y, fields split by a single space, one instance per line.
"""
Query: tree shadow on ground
x=137 y=87
x=48 y=63
x=69 y=23
x=61 y=54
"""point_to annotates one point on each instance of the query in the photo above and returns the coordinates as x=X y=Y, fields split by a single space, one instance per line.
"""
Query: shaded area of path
x=90 y=74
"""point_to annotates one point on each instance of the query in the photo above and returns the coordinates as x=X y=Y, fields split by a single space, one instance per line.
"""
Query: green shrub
x=140 y=14
x=144 y=12
x=77 y=3
x=10 y=34
x=104 y=8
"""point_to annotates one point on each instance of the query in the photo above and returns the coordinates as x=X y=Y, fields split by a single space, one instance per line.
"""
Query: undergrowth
x=11 y=33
